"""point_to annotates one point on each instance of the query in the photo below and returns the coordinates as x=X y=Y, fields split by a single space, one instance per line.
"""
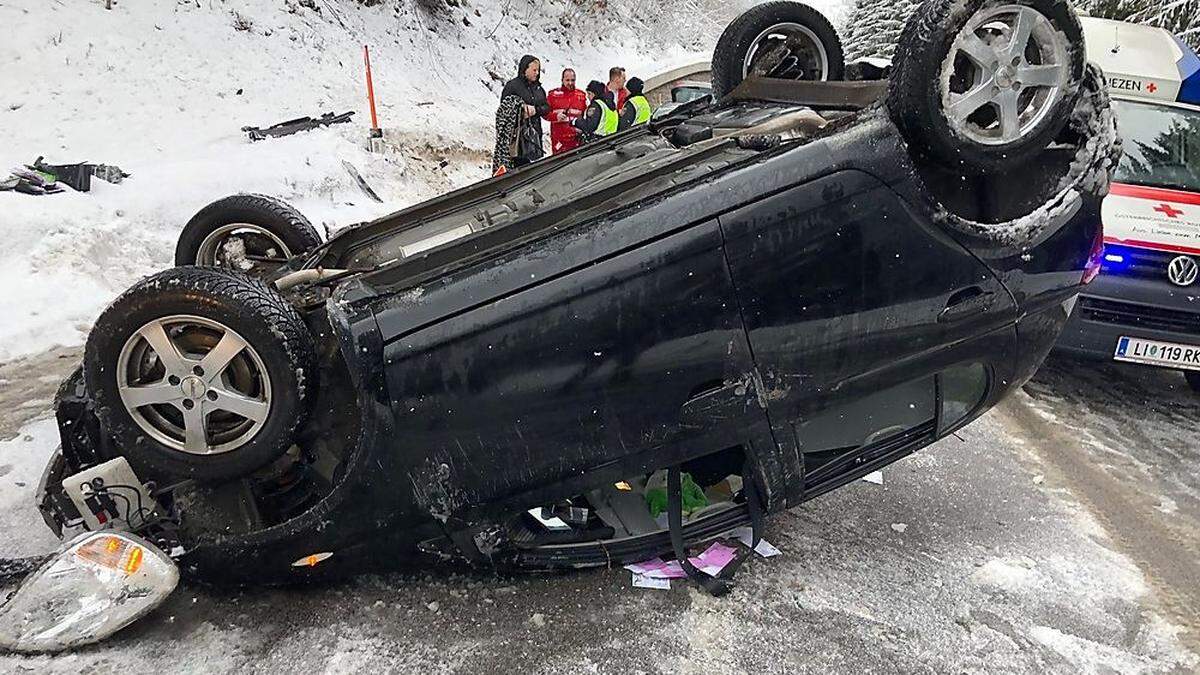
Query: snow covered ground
x=162 y=89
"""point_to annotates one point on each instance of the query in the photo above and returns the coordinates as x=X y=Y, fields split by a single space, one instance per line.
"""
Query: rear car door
x=853 y=306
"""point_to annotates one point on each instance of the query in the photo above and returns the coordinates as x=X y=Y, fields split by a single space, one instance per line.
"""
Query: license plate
x=1158 y=353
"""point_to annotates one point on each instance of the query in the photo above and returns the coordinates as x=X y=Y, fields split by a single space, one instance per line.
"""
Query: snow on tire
x=200 y=372
x=983 y=85
x=786 y=40
x=248 y=233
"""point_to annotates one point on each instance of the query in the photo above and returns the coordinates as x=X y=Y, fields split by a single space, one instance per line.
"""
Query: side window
x=961 y=390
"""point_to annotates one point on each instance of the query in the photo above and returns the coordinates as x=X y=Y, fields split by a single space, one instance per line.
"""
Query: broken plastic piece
x=299 y=124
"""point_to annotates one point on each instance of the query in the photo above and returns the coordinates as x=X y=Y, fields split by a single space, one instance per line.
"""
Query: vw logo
x=1182 y=270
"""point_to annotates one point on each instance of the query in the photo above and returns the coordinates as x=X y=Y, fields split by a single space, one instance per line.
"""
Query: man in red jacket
x=566 y=104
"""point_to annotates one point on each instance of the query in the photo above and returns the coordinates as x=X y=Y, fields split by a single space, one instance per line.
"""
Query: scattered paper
x=643 y=581
x=875 y=477
x=551 y=523
x=764 y=548
x=711 y=562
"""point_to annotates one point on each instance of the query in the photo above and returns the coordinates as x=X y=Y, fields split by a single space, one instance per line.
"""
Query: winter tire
x=985 y=84
x=200 y=372
x=787 y=40
x=254 y=234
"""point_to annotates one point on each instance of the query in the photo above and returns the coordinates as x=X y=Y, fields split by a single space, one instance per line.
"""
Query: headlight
x=95 y=586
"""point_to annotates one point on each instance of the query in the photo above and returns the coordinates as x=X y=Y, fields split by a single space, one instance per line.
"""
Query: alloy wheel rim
x=193 y=384
x=243 y=247
x=789 y=51
x=1006 y=71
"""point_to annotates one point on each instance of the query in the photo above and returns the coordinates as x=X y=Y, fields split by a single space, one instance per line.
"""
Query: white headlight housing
x=96 y=585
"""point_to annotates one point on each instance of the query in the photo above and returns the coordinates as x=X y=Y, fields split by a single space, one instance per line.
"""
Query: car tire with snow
x=200 y=372
x=983 y=85
x=248 y=233
x=786 y=40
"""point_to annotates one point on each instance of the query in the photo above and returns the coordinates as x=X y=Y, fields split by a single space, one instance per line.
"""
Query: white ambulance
x=1144 y=306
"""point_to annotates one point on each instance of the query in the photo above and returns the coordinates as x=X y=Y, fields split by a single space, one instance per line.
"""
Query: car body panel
x=783 y=301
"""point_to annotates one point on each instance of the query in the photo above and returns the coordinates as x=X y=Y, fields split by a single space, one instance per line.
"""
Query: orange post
x=376 y=132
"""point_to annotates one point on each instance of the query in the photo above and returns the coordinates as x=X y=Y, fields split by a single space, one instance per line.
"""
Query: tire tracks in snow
x=1165 y=550
x=28 y=384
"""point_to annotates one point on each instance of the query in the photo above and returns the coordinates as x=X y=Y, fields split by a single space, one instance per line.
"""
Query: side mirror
x=93 y=587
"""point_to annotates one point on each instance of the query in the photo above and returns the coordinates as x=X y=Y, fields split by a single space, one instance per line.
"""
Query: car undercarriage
x=620 y=352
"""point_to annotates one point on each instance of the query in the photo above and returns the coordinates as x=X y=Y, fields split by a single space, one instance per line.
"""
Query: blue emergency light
x=1117 y=259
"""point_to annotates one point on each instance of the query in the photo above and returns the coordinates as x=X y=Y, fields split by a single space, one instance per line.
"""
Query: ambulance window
x=1162 y=146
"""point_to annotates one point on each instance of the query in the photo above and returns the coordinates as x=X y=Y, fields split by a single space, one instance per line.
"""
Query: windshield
x=1162 y=146
x=689 y=93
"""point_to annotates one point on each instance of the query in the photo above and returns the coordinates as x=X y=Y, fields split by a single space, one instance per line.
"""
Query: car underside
x=615 y=353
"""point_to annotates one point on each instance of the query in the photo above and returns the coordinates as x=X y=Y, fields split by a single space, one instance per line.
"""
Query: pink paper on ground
x=711 y=562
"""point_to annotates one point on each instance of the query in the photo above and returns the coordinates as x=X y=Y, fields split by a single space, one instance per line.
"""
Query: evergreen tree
x=1181 y=17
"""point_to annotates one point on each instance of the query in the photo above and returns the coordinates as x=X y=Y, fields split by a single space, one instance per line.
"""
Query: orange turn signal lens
x=312 y=559
x=113 y=553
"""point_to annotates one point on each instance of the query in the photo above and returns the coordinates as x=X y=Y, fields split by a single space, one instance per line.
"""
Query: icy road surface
x=1053 y=537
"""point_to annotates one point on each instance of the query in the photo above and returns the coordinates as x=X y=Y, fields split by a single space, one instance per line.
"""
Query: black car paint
x=739 y=309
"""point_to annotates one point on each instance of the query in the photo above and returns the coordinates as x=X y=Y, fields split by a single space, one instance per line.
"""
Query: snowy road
x=1054 y=536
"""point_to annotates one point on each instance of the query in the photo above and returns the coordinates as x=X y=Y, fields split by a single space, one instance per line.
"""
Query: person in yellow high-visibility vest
x=599 y=119
x=636 y=109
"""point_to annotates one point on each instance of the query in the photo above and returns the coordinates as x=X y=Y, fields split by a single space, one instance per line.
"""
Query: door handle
x=966 y=303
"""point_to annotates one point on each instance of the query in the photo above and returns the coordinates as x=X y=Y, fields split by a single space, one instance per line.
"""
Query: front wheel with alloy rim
x=255 y=234
x=200 y=373
x=984 y=85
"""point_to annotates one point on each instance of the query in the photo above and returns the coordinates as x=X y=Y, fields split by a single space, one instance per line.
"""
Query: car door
x=597 y=368
x=852 y=306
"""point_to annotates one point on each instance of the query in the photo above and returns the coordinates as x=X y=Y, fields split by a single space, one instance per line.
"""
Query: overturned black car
x=764 y=296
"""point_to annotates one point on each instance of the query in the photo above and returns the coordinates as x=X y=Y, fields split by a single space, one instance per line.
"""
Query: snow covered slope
x=162 y=88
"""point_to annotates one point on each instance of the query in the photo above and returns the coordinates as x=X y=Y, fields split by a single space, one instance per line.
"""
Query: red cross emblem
x=1152 y=87
x=1168 y=210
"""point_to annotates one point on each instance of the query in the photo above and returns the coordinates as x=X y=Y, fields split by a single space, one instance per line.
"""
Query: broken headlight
x=93 y=587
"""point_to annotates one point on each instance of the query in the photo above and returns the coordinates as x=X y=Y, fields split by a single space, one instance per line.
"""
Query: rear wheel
x=985 y=84
x=200 y=372
x=254 y=234
x=786 y=40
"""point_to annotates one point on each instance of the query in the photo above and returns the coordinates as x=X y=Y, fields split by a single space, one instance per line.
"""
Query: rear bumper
x=1114 y=306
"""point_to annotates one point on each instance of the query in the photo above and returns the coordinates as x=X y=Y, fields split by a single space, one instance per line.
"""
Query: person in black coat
x=589 y=122
x=527 y=86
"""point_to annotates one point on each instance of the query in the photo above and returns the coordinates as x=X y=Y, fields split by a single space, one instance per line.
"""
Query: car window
x=689 y=93
x=1162 y=146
